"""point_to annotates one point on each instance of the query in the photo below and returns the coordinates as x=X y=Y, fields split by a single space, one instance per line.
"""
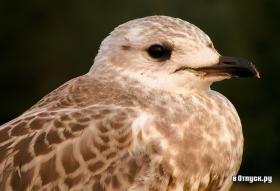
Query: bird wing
x=58 y=147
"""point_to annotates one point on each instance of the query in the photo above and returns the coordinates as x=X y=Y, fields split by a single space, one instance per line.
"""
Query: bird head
x=166 y=53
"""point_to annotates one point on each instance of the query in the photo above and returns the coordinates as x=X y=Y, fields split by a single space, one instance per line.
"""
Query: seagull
x=143 y=118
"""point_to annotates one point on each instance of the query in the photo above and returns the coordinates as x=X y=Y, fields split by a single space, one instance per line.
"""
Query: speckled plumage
x=131 y=123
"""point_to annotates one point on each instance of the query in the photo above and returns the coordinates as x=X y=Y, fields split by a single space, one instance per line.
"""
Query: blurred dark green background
x=45 y=43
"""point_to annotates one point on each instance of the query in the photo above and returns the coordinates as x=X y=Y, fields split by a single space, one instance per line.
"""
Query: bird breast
x=196 y=138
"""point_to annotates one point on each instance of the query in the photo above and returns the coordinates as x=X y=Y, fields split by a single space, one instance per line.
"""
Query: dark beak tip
x=232 y=66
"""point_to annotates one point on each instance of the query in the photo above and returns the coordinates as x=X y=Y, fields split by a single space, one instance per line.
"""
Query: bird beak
x=231 y=66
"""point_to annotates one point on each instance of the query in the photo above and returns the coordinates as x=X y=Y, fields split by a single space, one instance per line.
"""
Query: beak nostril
x=227 y=62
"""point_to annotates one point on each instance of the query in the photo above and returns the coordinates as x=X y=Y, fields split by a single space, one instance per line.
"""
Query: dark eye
x=159 y=52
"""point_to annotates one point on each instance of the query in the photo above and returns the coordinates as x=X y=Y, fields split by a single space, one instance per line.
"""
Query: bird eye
x=159 y=52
